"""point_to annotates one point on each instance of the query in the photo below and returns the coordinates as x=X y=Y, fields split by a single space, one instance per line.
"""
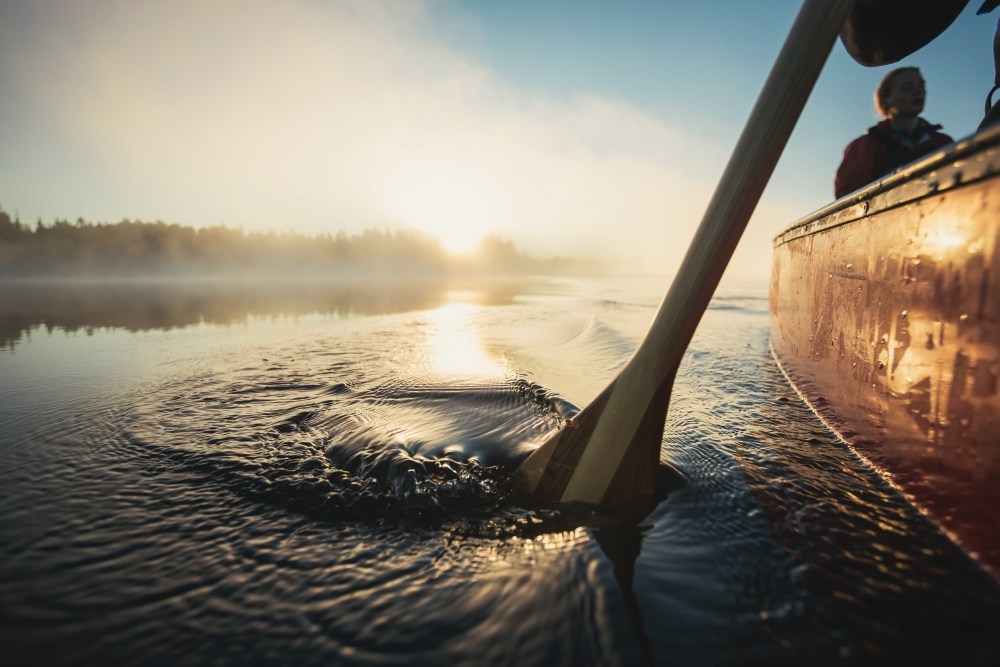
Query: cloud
x=342 y=115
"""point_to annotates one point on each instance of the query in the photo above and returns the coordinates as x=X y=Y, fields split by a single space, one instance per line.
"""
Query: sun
x=454 y=201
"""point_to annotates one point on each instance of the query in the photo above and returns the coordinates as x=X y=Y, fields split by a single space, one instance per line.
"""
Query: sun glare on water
x=456 y=203
x=453 y=346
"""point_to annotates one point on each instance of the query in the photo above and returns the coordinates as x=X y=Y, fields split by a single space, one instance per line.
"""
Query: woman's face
x=906 y=96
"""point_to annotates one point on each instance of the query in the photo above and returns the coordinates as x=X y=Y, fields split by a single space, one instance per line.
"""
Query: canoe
x=885 y=317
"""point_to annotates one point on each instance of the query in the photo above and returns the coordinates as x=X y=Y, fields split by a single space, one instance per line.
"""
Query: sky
x=574 y=128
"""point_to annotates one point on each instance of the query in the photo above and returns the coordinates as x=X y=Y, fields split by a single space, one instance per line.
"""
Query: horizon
x=482 y=244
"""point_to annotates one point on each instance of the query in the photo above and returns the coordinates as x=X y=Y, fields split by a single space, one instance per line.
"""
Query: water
x=257 y=475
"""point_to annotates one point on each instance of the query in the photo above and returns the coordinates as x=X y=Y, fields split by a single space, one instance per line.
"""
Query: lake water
x=280 y=474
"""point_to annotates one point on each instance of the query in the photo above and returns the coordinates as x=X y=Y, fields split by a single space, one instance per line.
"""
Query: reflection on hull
x=885 y=315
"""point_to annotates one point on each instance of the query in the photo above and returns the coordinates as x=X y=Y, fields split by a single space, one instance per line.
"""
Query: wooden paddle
x=610 y=452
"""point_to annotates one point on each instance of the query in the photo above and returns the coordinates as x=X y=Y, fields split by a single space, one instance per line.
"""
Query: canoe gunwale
x=946 y=169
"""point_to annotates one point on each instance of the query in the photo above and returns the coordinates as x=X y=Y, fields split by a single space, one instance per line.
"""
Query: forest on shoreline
x=135 y=249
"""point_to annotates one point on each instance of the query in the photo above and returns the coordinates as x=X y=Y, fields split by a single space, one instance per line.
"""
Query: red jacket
x=873 y=155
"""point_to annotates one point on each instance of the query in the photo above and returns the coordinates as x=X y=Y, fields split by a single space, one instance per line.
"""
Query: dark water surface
x=290 y=475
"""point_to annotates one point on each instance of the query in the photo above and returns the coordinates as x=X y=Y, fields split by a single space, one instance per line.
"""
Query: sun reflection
x=943 y=240
x=453 y=346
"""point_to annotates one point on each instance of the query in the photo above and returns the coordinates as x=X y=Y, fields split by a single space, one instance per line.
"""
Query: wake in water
x=427 y=449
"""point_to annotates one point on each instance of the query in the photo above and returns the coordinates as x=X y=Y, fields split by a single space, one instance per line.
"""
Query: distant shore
x=135 y=249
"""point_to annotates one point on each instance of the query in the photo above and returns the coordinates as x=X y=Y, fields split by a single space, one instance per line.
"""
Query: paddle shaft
x=604 y=456
x=757 y=152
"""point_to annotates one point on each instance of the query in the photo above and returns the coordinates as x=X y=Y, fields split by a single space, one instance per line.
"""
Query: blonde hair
x=885 y=87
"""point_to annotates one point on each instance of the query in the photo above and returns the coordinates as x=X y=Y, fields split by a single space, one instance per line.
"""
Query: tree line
x=139 y=249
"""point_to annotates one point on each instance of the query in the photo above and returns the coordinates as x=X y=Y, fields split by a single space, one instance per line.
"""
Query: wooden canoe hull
x=885 y=316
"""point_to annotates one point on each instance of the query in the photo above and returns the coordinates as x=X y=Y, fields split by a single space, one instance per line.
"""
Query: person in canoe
x=900 y=138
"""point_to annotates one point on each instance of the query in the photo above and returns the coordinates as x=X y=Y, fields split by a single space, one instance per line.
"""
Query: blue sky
x=576 y=128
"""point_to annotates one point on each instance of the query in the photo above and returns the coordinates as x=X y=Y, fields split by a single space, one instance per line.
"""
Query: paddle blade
x=881 y=32
x=603 y=456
